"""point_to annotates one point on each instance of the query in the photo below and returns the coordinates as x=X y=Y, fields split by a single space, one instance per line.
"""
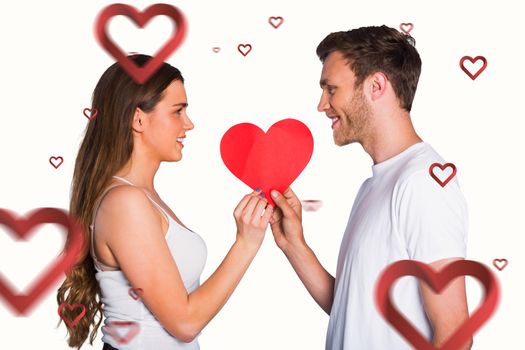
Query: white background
x=50 y=63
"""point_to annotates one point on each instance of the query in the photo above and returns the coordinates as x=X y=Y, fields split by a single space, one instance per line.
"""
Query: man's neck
x=391 y=139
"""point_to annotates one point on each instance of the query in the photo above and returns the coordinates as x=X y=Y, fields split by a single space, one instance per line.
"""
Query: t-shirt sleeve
x=432 y=220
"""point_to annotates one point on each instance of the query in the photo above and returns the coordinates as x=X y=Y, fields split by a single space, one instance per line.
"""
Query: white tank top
x=189 y=252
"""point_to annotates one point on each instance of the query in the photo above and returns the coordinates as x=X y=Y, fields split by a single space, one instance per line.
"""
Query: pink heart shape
x=22 y=227
x=500 y=264
x=90 y=113
x=437 y=281
x=473 y=60
x=442 y=167
x=244 y=49
x=141 y=74
x=71 y=307
x=276 y=21
x=406 y=27
x=56 y=161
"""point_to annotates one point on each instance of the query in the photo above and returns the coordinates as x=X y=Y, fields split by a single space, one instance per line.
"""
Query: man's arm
x=287 y=230
x=448 y=310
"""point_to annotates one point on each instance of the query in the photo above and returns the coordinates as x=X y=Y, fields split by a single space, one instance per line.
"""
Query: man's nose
x=323 y=103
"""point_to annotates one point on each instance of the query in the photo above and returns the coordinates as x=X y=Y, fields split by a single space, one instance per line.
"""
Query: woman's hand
x=252 y=216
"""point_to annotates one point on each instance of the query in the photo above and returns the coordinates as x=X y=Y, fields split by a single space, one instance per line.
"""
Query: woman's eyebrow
x=181 y=104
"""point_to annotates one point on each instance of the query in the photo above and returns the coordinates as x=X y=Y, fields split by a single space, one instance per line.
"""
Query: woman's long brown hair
x=107 y=146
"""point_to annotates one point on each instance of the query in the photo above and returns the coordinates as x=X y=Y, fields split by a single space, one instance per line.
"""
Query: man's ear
x=139 y=119
x=376 y=85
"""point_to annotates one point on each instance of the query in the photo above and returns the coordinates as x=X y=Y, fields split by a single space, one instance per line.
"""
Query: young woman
x=133 y=240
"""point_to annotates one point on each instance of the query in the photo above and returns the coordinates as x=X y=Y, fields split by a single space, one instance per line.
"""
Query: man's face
x=345 y=105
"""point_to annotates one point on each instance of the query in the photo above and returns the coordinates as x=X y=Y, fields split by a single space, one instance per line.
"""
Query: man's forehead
x=334 y=67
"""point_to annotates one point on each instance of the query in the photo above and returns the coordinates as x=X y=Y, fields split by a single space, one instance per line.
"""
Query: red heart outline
x=21 y=303
x=442 y=167
x=141 y=74
x=437 y=281
x=51 y=159
x=112 y=327
x=406 y=31
x=496 y=263
x=272 y=19
x=473 y=60
x=244 y=46
x=93 y=112
x=271 y=160
x=135 y=293
x=70 y=323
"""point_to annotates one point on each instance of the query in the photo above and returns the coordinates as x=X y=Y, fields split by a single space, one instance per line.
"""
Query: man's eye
x=331 y=91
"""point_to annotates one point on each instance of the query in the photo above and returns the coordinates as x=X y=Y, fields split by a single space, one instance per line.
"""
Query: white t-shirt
x=400 y=213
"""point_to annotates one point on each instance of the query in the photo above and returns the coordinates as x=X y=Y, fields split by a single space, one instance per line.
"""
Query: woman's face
x=168 y=123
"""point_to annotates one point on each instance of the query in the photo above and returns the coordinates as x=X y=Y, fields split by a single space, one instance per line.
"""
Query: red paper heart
x=114 y=326
x=276 y=21
x=70 y=323
x=141 y=74
x=90 y=113
x=437 y=281
x=473 y=60
x=500 y=264
x=244 y=49
x=56 y=161
x=22 y=227
x=442 y=167
x=271 y=160
x=135 y=293
x=406 y=27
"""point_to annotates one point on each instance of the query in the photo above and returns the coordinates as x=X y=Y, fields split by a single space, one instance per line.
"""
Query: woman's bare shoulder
x=124 y=208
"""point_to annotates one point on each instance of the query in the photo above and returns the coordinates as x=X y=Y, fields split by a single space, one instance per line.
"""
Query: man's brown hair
x=378 y=49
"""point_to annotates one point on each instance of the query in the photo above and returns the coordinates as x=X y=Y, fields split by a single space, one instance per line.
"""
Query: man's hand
x=286 y=221
x=287 y=229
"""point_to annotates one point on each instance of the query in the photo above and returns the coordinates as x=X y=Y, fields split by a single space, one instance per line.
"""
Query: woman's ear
x=137 y=124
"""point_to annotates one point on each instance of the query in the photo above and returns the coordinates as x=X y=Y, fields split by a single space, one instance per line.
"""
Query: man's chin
x=342 y=142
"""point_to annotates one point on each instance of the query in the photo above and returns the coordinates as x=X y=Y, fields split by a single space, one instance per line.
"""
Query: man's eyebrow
x=182 y=104
x=325 y=82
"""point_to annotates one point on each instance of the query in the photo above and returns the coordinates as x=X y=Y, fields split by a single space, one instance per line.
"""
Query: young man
x=369 y=79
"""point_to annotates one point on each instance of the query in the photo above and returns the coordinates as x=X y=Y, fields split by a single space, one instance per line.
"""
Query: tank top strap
x=163 y=211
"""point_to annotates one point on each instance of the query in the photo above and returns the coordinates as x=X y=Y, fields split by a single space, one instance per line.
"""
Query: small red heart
x=90 y=113
x=70 y=323
x=244 y=49
x=22 y=227
x=216 y=49
x=114 y=327
x=141 y=74
x=437 y=281
x=442 y=167
x=406 y=27
x=276 y=21
x=473 y=61
x=311 y=204
x=271 y=160
x=500 y=264
x=135 y=293
x=56 y=161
